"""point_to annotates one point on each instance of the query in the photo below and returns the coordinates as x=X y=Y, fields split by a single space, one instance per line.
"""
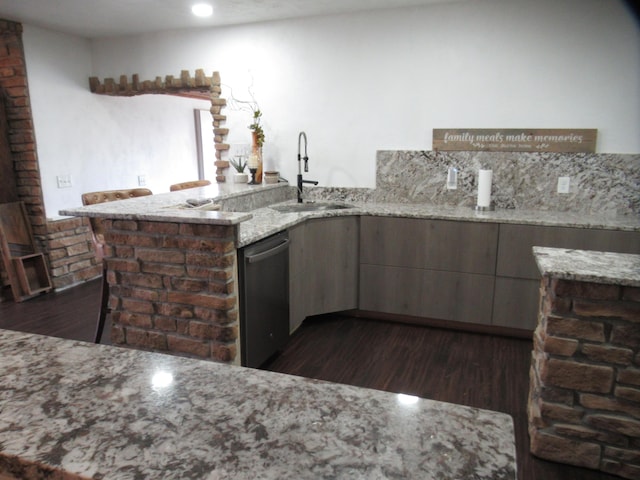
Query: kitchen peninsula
x=173 y=269
x=74 y=410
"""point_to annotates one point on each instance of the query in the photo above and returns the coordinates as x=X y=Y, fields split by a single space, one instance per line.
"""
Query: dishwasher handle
x=268 y=253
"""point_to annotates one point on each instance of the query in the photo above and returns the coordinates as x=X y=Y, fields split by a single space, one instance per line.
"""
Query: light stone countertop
x=258 y=221
x=96 y=411
x=589 y=266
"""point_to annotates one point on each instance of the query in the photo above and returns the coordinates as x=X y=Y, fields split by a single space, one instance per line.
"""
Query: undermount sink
x=309 y=207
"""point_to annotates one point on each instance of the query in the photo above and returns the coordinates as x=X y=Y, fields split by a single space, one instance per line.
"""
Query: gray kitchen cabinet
x=428 y=268
x=323 y=259
x=518 y=278
x=446 y=245
x=515 y=255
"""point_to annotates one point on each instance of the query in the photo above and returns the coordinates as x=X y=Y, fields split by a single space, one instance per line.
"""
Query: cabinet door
x=516 y=303
x=331 y=265
x=515 y=255
x=323 y=257
x=430 y=244
x=462 y=297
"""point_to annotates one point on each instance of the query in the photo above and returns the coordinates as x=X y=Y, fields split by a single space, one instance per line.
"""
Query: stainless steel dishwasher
x=263 y=270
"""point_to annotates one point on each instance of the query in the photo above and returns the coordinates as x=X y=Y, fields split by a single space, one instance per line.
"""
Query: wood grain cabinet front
x=435 y=269
x=518 y=278
x=324 y=267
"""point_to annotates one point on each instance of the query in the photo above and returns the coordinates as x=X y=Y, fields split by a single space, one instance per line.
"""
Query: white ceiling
x=106 y=18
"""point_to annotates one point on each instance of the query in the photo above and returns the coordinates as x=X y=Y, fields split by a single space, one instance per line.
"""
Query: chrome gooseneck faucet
x=301 y=181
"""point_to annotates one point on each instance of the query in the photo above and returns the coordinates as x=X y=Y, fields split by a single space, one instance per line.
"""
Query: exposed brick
x=632 y=472
x=145 y=339
x=575 y=328
x=166 y=324
x=625 y=455
x=199 y=244
x=586 y=433
x=128 y=225
x=630 y=394
x=559 y=449
x=179 y=311
x=560 y=346
x=211 y=274
x=140 y=280
x=629 y=376
x=626 y=311
x=210 y=260
x=189 y=346
x=597 y=402
x=607 y=354
x=133 y=319
x=195 y=299
x=563 y=413
x=137 y=306
x=160 y=256
x=207 y=331
x=577 y=289
x=626 y=334
x=163 y=269
x=119 y=265
x=223 y=353
x=631 y=294
x=615 y=423
x=130 y=239
x=159 y=228
x=578 y=376
x=205 y=230
x=220 y=317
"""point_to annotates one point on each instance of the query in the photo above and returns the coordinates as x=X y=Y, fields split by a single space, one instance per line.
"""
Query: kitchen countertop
x=257 y=223
x=96 y=411
x=589 y=266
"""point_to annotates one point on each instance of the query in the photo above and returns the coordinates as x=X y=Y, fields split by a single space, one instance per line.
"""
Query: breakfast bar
x=74 y=410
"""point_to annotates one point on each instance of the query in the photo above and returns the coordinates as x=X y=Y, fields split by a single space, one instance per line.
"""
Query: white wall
x=357 y=83
x=102 y=142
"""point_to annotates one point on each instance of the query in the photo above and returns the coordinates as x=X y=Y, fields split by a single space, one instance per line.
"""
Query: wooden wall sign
x=515 y=140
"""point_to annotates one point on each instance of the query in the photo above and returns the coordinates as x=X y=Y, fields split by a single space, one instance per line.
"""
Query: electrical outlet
x=142 y=180
x=64 y=181
x=563 y=184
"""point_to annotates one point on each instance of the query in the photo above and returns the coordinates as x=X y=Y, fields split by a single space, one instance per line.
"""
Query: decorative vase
x=240 y=178
x=256 y=149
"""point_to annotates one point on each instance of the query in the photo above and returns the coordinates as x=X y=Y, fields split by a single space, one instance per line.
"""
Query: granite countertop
x=96 y=411
x=589 y=266
x=257 y=222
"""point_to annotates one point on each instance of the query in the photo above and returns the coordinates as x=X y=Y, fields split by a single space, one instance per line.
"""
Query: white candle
x=484 y=188
x=253 y=161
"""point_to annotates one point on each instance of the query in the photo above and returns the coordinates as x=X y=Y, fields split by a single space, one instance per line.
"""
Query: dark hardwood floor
x=472 y=369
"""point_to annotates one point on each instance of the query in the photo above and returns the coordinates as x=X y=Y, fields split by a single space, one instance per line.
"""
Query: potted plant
x=239 y=164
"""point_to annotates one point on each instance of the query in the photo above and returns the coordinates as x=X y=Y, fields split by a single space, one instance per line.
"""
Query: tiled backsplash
x=599 y=183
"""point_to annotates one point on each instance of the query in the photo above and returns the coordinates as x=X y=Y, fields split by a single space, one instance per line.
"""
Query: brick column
x=173 y=288
x=584 y=400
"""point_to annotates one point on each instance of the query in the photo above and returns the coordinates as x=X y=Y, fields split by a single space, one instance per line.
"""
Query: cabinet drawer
x=431 y=244
x=462 y=297
x=516 y=303
x=515 y=255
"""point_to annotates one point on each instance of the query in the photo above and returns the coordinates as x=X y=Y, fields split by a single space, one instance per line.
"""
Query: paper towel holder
x=481 y=208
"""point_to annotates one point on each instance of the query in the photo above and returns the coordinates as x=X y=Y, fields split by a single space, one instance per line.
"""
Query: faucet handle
x=306 y=163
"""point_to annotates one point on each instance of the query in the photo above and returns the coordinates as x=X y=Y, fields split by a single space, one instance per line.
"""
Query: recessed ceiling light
x=202 y=10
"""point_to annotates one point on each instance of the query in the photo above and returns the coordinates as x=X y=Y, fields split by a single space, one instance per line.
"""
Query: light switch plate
x=142 y=180
x=563 y=184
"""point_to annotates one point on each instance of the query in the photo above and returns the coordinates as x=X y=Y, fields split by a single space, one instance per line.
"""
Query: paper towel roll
x=484 y=188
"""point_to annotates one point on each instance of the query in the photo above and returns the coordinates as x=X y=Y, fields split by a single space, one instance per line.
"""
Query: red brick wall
x=584 y=401
x=66 y=243
x=173 y=288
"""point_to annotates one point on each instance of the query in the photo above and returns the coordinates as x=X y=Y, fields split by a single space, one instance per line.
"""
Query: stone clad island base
x=78 y=410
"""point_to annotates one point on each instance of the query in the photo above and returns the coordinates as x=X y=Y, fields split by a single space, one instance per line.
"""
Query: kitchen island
x=75 y=410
